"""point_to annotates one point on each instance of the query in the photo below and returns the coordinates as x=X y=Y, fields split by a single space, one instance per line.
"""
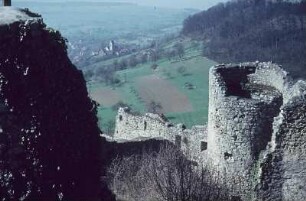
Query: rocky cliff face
x=49 y=138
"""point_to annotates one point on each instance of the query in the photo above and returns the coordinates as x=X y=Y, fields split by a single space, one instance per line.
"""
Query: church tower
x=7 y=2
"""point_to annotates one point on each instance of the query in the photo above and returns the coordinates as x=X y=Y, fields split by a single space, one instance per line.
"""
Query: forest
x=262 y=30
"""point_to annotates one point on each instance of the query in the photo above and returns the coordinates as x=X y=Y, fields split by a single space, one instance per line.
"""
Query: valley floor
x=179 y=87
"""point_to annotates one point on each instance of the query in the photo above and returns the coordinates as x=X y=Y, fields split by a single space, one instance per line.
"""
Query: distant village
x=112 y=49
x=80 y=54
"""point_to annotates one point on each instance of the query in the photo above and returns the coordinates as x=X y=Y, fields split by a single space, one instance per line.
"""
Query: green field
x=197 y=68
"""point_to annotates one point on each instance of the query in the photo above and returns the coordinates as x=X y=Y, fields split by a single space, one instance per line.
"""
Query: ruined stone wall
x=283 y=172
x=256 y=134
x=130 y=127
x=250 y=105
x=240 y=122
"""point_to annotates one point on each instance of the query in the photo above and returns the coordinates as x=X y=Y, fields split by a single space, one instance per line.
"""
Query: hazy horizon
x=196 y=4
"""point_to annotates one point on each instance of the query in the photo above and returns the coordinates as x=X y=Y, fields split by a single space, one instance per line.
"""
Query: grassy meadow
x=165 y=85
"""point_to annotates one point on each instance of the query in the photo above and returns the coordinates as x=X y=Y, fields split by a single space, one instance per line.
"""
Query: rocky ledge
x=49 y=138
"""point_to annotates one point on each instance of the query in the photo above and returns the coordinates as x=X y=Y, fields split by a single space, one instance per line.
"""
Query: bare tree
x=167 y=175
x=180 y=50
x=154 y=66
x=155 y=107
x=181 y=70
x=116 y=64
x=179 y=179
x=132 y=61
x=144 y=58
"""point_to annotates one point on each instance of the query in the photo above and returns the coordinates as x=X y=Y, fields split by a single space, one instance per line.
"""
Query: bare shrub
x=165 y=175
x=127 y=179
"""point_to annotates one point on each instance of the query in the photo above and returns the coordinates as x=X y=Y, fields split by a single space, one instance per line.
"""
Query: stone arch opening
x=178 y=140
x=203 y=146
x=120 y=118
x=145 y=125
x=228 y=156
x=185 y=140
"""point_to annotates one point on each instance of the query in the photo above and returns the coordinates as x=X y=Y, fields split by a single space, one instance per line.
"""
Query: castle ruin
x=256 y=133
x=257 y=130
x=130 y=127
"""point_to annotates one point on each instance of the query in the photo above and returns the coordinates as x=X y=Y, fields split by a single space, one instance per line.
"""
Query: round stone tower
x=241 y=113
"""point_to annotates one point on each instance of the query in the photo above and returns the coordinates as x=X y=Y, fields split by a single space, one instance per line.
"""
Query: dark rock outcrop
x=49 y=138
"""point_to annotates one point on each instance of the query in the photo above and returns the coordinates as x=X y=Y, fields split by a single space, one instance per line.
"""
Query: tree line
x=262 y=30
x=106 y=73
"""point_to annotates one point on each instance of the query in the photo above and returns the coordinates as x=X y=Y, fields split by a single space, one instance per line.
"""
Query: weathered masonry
x=257 y=130
x=256 y=133
x=136 y=128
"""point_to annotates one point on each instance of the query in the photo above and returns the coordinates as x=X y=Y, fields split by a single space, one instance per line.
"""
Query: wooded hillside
x=253 y=30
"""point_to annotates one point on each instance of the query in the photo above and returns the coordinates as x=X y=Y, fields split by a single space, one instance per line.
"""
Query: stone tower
x=257 y=130
x=240 y=121
x=7 y=2
x=255 y=142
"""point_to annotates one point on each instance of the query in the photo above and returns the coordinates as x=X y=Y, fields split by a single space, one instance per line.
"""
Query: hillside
x=261 y=30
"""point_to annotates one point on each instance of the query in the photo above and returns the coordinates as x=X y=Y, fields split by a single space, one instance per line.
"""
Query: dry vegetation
x=164 y=175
